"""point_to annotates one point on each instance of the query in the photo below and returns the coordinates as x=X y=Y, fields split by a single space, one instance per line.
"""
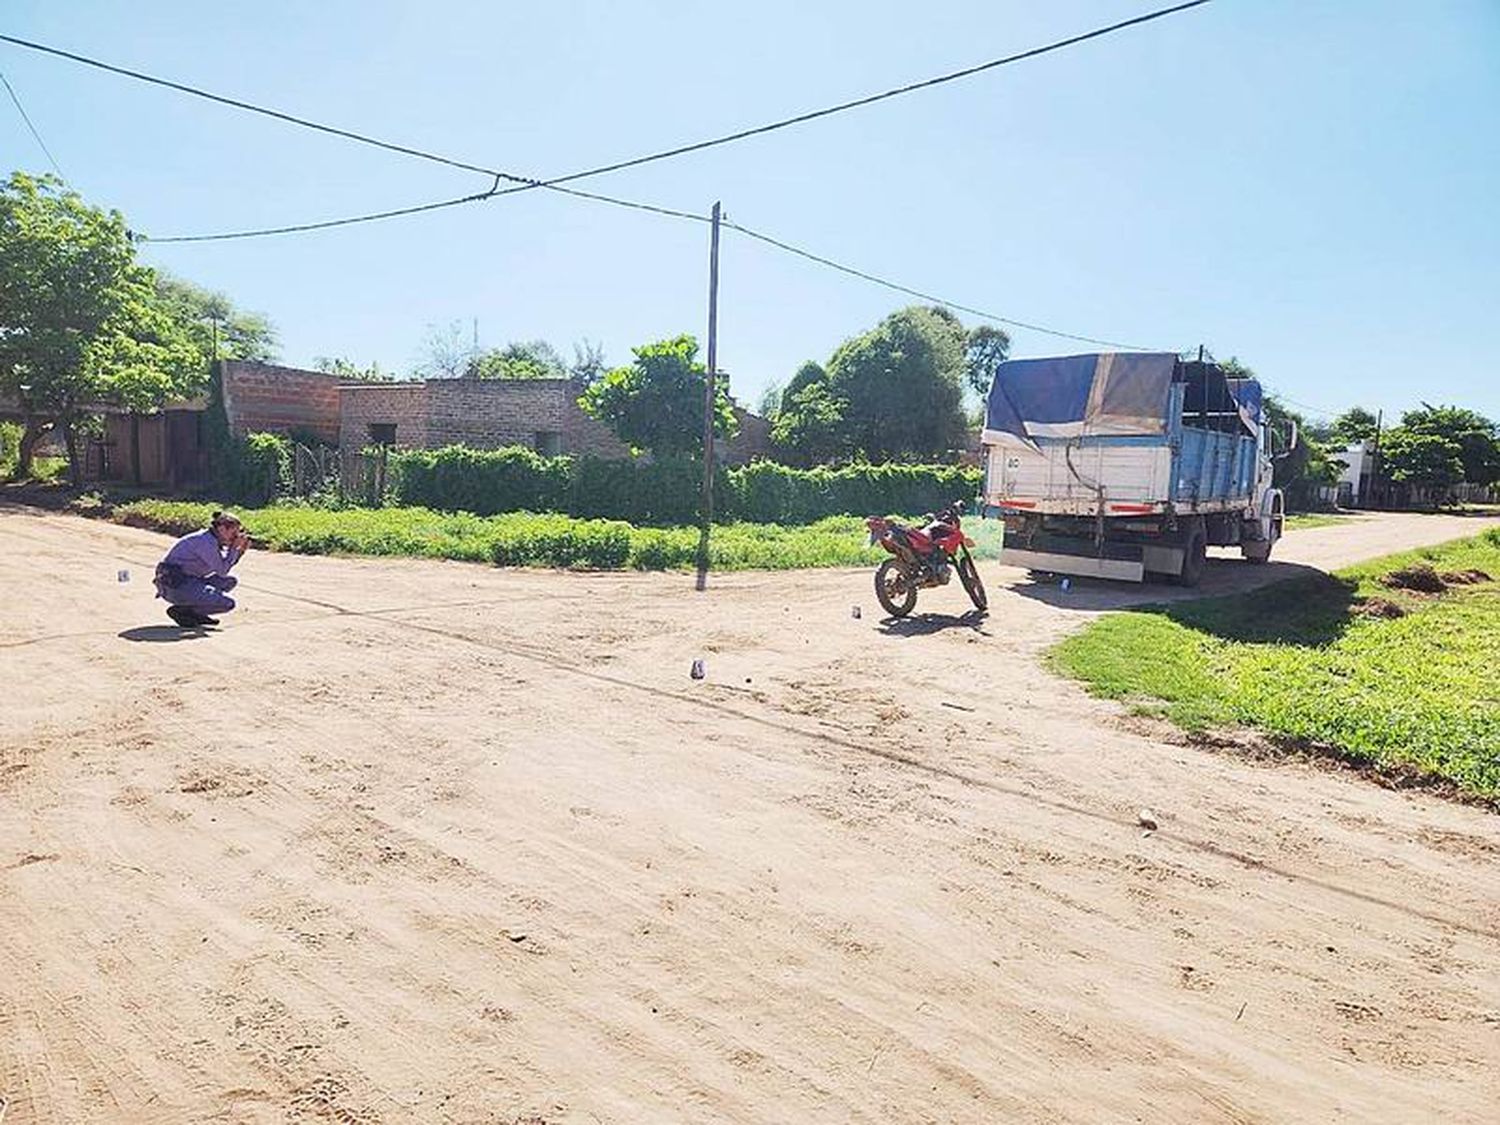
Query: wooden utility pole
x=709 y=399
x=713 y=359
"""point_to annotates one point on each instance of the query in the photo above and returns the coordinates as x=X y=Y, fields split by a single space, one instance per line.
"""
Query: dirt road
x=423 y=842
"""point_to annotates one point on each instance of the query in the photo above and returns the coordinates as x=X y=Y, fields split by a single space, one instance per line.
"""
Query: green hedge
x=665 y=492
x=524 y=538
x=483 y=481
x=769 y=493
x=254 y=469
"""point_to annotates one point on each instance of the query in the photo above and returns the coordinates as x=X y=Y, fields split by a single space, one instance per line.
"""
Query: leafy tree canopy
x=988 y=348
x=81 y=322
x=520 y=359
x=1428 y=460
x=1473 y=434
x=656 y=403
x=1353 y=426
x=348 y=369
x=208 y=317
x=892 y=393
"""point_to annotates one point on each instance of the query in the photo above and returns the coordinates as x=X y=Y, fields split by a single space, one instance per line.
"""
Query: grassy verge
x=1377 y=674
x=1299 y=520
x=525 y=539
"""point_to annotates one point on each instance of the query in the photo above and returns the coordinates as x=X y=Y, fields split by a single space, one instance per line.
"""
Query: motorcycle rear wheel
x=895 y=589
x=968 y=574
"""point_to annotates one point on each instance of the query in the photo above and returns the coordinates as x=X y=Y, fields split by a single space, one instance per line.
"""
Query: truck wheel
x=1194 y=558
x=895 y=589
x=1257 y=553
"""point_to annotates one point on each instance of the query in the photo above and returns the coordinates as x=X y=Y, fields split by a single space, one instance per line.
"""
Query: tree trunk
x=36 y=430
x=75 y=461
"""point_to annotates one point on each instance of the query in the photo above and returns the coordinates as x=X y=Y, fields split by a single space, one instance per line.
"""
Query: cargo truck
x=1126 y=465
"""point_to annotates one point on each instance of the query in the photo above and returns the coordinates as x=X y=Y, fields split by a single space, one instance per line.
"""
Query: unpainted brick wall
x=265 y=396
x=491 y=413
x=488 y=414
x=401 y=404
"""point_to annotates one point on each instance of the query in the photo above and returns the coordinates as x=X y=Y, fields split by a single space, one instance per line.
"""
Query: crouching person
x=194 y=578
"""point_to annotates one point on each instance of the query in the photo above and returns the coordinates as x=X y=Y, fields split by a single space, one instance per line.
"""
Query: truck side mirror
x=1291 y=443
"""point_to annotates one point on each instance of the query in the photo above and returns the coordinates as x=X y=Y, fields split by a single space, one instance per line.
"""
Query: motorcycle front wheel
x=895 y=588
x=968 y=574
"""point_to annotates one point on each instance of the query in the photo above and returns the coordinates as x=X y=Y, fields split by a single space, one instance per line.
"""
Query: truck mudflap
x=1128 y=565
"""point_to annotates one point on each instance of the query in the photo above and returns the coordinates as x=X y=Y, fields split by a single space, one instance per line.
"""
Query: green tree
x=520 y=359
x=894 y=392
x=809 y=428
x=809 y=373
x=656 y=403
x=1427 y=460
x=348 y=369
x=900 y=386
x=1473 y=434
x=80 y=320
x=216 y=327
x=1353 y=426
x=988 y=348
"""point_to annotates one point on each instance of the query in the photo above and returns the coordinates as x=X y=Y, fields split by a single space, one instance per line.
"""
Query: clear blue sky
x=1311 y=186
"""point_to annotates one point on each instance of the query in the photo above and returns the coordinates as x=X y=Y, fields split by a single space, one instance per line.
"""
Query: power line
x=375 y=216
x=526 y=183
x=870 y=99
x=1317 y=410
x=26 y=118
x=300 y=228
x=830 y=263
x=249 y=107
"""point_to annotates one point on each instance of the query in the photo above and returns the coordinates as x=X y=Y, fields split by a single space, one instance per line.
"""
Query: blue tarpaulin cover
x=1247 y=393
x=1113 y=393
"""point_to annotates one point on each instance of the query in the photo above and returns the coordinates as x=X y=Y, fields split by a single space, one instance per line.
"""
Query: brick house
x=169 y=446
x=542 y=414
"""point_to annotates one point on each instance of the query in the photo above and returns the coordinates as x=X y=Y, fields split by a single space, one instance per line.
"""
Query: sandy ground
x=424 y=842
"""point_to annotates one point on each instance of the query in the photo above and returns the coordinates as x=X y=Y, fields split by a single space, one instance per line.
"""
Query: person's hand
x=242 y=541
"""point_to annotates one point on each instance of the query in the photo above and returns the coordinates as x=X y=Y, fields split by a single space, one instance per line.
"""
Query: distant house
x=170 y=446
x=1356 y=484
x=541 y=414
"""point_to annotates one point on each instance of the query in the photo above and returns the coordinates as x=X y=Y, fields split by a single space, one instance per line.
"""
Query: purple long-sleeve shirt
x=200 y=556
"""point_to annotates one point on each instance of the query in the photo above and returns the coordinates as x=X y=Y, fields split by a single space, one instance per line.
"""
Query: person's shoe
x=205 y=619
x=183 y=616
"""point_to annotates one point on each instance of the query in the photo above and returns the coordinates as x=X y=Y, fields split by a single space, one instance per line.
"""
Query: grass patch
x=527 y=539
x=1301 y=520
x=1356 y=663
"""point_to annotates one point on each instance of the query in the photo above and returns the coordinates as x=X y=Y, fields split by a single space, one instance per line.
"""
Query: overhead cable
x=526 y=183
x=870 y=277
x=27 y=118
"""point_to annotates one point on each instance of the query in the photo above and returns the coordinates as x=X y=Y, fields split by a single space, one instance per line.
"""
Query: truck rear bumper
x=1122 y=570
x=1125 y=563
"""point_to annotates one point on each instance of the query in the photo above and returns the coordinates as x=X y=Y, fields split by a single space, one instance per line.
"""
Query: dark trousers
x=211 y=595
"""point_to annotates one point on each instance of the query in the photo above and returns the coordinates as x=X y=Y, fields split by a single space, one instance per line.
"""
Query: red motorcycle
x=924 y=557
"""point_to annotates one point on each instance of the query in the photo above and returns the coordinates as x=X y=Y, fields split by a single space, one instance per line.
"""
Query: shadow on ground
x=161 y=634
x=1279 y=603
x=925 y=624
